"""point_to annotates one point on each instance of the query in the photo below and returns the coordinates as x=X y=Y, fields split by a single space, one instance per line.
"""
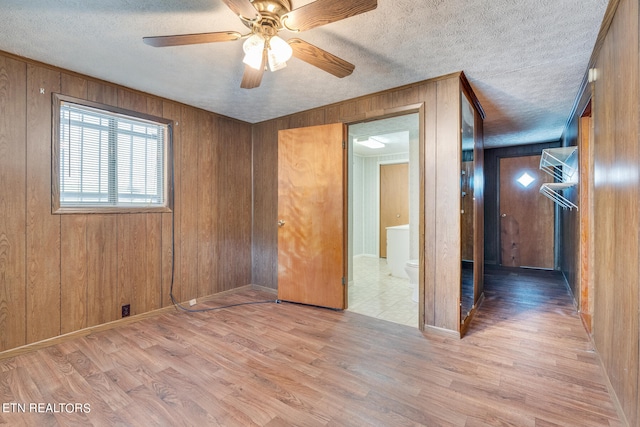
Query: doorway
x=374 y=146
x=526 y=218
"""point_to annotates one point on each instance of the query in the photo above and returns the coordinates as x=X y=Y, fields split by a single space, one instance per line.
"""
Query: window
x=108 y=159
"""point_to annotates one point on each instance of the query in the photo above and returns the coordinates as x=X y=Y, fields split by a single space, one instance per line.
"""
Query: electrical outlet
x=126 y=310
x=192 y=302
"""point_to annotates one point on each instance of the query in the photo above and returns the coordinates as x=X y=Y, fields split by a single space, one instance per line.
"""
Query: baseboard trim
x=28 y=348
x=448 y=333
x=612 y=391
x=263 y=289
x=366 y=256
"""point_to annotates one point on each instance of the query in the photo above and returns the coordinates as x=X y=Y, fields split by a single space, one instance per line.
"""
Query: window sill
x=110 y=210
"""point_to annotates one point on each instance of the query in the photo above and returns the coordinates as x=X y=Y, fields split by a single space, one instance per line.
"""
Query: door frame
x=585 y=289
x=418 y=108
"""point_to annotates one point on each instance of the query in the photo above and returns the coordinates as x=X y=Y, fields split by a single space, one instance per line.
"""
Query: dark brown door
x=311 y=216
x=526 y=216
x=394 y=199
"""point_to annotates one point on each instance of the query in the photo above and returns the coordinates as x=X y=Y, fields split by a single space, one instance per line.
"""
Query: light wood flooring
x=526 y=361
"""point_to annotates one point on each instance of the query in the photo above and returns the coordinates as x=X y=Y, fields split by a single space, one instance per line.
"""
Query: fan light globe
x=279 y=53
x=280 y=49
x=253 y=48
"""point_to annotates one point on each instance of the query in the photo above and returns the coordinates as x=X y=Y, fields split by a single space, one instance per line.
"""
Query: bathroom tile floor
x=375 y=292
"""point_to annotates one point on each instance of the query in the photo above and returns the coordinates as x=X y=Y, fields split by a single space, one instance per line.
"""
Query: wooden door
x=394 y=199
x=526 y=216
x=311 y=216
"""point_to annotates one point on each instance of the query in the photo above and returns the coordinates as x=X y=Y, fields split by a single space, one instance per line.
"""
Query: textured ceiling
x=525 y=59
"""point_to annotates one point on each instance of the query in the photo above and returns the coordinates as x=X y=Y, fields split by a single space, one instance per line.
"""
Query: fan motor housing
x=271 y=12
x=275 y=7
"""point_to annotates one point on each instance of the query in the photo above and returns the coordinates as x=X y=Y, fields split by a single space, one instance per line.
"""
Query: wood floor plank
x=526 y=361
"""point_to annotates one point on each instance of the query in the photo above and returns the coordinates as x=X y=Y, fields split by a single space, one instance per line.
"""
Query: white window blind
x=110 y=159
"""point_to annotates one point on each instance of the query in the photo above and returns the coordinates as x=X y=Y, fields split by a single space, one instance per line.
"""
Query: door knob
x=503 y=215
x=280 y=223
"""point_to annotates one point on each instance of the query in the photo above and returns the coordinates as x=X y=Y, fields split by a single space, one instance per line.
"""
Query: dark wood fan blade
x=322 y=12
x=321 y=58
x=184 y=39
x=252 y=77
x=243 y=8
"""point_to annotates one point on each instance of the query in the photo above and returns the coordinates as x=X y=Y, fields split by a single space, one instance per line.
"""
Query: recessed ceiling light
x=370 y=143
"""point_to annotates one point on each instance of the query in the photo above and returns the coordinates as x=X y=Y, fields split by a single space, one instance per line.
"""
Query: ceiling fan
x=262 y=47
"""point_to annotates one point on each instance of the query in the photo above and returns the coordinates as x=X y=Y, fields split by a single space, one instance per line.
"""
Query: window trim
x=56 y=208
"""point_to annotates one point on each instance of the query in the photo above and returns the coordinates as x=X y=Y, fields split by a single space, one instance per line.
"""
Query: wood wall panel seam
x=43 y=232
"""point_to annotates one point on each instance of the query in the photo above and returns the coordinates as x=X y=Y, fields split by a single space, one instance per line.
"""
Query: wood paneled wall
x=616 y=201
x=13 y=204
x=62 y=273
x=616 y=196
x=441 y=101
